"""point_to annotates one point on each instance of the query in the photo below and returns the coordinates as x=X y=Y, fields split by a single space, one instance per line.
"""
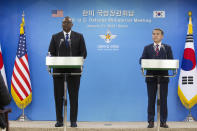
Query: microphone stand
x=70 y=46
x=59 y=46
x=164 y=51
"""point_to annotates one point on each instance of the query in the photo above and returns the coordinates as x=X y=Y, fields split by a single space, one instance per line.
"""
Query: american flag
x=57 y=13
x=20 y=83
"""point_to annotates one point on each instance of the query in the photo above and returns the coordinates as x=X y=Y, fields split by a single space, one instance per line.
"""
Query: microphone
x=70 y=47
x=162 y=46
x=48 y=68
x=61 y=40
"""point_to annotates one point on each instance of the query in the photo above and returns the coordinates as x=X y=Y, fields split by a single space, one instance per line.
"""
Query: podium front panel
x=159 y=64
x=64 y=62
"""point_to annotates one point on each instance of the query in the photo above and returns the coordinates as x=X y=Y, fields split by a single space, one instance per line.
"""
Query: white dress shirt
x=69 y=33
x=156 y=46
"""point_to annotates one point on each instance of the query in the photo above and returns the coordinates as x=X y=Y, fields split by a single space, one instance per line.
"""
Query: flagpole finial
x=190 y=13
x=22 y=24
x=190 y=28
x=23 y=14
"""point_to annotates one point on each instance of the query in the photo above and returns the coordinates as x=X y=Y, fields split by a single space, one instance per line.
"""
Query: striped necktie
x=157 y=50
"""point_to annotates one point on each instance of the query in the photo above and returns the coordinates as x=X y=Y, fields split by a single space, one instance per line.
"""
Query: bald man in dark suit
x=59 y=46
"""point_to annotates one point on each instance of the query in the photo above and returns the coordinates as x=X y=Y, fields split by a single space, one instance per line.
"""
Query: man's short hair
x=68 y=18
x=160 y=30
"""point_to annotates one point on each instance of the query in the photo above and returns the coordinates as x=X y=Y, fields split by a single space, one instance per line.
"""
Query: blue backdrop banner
x=112 y=86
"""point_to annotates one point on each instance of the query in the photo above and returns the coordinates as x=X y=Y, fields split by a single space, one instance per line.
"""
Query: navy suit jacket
x=58 y=47
x=164 y=53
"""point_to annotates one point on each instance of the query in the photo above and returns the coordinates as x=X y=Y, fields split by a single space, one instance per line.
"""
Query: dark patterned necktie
x=157 y=50
x=67 y=43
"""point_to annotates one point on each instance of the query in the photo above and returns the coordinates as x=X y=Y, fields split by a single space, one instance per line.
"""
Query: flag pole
x=189 y=118
x=23 y=117
x=23 y=15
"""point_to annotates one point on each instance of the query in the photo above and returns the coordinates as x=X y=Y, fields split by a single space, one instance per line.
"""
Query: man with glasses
x=67 y=43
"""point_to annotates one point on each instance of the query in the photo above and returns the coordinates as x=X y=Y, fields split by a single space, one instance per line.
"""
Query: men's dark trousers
x=152 y=92
x=73 y=91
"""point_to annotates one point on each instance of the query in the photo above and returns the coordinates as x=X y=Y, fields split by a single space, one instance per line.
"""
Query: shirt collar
x=158 y=44
x=69 y=33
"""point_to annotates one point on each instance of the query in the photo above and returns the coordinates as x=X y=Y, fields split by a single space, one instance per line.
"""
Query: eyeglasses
x=66 y=22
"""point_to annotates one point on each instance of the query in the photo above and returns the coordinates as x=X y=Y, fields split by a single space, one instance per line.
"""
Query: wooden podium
x=64 y=62
x=159 y=64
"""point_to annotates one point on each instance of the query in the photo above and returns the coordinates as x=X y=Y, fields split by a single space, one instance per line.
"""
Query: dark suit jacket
x=4 y=94
x=164 y=53
x=58 y=48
